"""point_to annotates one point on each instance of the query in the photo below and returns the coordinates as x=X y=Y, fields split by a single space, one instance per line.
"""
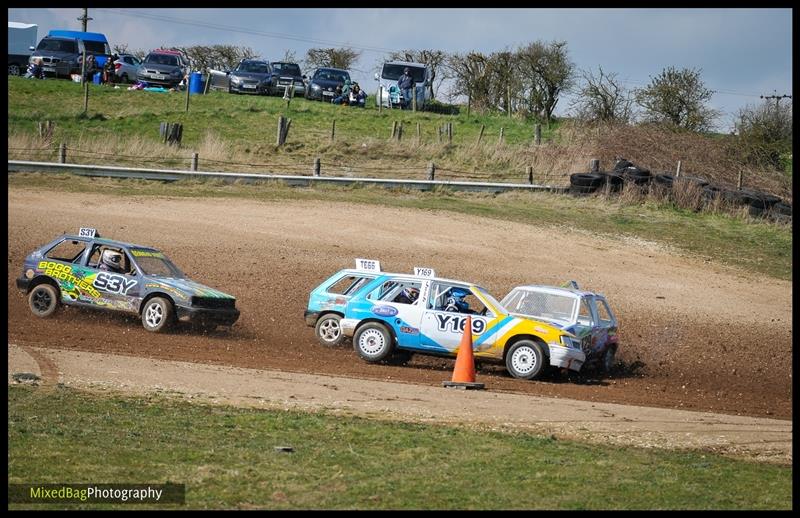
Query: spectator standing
x=406 y=85
x=109 y=71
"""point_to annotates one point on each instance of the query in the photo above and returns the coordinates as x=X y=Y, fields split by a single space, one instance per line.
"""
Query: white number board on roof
x=369 y=265
x=87 y=232
x=424 y=272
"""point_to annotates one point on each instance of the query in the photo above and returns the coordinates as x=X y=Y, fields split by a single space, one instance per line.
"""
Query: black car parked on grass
x=286 y=74
x=323 y=83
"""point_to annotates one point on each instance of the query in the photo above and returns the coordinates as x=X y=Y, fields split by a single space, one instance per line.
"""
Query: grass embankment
x=226 y=458
x=232 y=132
x=740 y=242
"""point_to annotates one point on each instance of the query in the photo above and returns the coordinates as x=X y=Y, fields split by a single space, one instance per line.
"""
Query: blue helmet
x=459 y=293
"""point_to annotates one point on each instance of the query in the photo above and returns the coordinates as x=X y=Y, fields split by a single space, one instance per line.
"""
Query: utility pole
x=85 y=20
x=777 y=99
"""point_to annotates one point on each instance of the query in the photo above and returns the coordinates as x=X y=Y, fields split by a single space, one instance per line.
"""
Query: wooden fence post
x=529 y=170
x=285 y=132
x=594 y=165
x=449 y=132
x=508 y=98
x=419 y=134
x=414 y=99
x=431 y=171
x=400 y=132
x=469 y=103
x=678 y=171
x=188 y=90
x=333 y=130
x=502 y=132
x=480 y=135
x=380 y=99
x=194 y=161
x=208 y=82
x=281 y=122
x=85 y=96
x=537 y=134
x=741 y=178
x=62 y=153
x=317 y=166
x=394 y=130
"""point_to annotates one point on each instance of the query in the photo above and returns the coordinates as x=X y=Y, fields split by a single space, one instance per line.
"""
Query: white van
x=391 y=72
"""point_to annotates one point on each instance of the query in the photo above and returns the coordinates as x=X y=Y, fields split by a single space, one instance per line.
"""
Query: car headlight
x=567 y=341
x=235 y=80
x=315 y=86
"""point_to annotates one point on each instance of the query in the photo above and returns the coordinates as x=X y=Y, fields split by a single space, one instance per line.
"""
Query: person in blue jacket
x=35 y=70
x=406 y=85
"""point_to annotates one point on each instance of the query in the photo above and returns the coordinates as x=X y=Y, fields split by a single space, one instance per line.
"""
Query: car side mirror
x=376 y=77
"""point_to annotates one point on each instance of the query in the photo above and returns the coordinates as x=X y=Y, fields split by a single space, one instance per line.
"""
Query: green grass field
x=243 y=129
x=226 y=458
x=750 y=245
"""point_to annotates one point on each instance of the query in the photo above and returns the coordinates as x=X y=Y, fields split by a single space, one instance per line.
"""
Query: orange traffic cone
x=464 y=371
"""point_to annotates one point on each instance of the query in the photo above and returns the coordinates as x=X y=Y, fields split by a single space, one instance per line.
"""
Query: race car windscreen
x=541 y=305
x=153 y=262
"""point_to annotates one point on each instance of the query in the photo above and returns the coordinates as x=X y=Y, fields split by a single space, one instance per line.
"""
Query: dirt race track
x=694 y=335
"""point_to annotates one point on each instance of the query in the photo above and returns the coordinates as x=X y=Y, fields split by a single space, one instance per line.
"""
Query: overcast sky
x=743 y=53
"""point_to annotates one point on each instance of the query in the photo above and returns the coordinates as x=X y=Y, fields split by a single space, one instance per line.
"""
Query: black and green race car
x=86 y=270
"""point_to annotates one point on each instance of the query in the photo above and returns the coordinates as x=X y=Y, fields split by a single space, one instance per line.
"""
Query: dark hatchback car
x=162 y=67
x=250 y=76
x=323 y=83
x=286 y=74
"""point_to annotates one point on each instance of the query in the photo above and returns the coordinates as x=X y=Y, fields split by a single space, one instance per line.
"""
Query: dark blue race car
x=85 y=270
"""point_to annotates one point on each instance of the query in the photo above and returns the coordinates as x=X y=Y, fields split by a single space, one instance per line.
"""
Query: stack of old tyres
x=632 y=173
x=759 y=202
x=585 y=183
x=614 y=180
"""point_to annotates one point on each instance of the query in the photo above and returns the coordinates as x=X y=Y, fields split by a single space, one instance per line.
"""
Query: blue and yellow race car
x=385 y=313
x=86 y=270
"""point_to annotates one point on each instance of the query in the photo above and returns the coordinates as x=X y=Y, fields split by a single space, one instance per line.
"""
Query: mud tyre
x=43 y=300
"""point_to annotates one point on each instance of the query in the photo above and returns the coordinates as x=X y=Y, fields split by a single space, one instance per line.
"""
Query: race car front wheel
x=373 y=342
x=157 y=314
x=43 y=300
x=329 y=331
x=525 y=359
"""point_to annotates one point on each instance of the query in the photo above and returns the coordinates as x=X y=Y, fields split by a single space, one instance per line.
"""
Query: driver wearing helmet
x=455 y=302
x=408 y=295
x=111 y=260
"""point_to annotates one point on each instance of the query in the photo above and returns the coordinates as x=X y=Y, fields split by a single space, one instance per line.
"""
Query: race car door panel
x=442 y=330
x=391 y=302
x=116 y=290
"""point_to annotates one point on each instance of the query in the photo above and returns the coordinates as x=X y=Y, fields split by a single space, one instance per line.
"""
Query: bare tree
x=678 y=97
x=603 y=98
x=221 y=57
x=470 y=78
x=343 y=58
x=547 y=72
x=435 y=59
x=289 y=56
x=122 y=48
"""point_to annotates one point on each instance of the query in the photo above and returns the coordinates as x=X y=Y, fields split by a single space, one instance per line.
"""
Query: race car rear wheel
x=525 y=359
x=373 y=342
x=43 y=300
x=157 y=314
x=609 y=359
x=329 y=331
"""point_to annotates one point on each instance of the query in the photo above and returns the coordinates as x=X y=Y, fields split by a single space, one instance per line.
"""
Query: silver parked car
x=127 y=66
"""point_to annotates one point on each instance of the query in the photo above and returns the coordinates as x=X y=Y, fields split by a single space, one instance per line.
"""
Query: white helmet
x=112 y=259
